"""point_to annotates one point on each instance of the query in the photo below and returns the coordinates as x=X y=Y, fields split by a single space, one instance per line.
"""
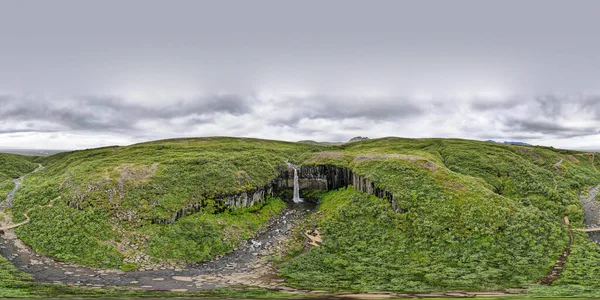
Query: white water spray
x=297 y=198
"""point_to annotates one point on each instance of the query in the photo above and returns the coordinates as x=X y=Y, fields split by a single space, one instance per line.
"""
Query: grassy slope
x=12 y=166
x=120 y=190
x=473 y=214
x=368 y=247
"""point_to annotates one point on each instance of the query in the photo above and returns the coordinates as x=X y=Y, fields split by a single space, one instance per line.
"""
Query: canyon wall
x=314 y=177
x=330 y=177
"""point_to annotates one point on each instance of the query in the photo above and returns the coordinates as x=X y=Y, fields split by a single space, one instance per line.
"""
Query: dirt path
x=10 y=197
x=557 y=165
x=27 y=219
x=559 y=266
x=591 y=211
x=248 y=265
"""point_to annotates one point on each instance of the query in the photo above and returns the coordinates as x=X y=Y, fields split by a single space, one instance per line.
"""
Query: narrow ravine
x=11 y=195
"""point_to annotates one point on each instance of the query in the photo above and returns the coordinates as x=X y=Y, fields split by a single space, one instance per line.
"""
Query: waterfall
x=297 y=198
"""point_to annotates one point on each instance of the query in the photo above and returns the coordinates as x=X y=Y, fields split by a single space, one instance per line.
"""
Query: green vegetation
x=470 y=215
x=581 y=276
x=107 y=197
x=12 y=166
x=368 y=247
x=72 y=235
x=200 y=236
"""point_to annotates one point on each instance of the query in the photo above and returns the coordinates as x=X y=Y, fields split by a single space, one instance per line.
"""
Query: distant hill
x=352 y=140
x=31 y=152
x=516 y=143
x=510 y=143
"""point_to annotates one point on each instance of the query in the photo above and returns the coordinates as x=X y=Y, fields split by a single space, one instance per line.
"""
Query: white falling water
x=297 y=198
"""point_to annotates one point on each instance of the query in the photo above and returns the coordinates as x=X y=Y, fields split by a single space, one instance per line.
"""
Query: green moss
x=12 y=166
x=72 y=235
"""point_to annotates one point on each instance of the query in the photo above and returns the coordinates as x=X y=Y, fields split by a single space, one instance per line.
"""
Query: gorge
x=303 y=178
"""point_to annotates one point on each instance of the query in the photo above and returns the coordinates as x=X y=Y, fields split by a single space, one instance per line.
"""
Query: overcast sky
x=80 y=74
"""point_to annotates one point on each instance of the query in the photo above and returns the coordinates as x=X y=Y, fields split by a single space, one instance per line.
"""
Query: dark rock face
x=358 y=139
x=317 y=177
x=330 y=177
x=232 y=201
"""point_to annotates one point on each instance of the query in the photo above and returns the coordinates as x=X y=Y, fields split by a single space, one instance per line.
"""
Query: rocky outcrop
x=330 y=177
x=358 y=139
x=313 y=177
x=231 y=201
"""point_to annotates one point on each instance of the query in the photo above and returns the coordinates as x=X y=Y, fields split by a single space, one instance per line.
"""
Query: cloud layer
x=58 y=122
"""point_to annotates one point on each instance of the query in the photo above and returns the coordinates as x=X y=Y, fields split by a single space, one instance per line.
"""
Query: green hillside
x=471 y=215
x=12 y=166
x=474 y=216
x=115 y=193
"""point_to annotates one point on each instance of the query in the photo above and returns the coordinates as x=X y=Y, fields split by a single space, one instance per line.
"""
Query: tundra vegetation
x=470 y=215
x=11 y=167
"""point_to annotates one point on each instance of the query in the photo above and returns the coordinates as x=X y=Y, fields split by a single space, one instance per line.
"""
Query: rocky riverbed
x=248 y=265
x=591 y=211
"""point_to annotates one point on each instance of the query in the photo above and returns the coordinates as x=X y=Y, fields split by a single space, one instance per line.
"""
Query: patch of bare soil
x=419 y=160
x=323 y=156
x=528 y=152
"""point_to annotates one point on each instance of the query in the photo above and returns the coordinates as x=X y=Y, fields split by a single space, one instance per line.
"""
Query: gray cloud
x=347 y=107
x=113 y=113
x=560 y=116
x=550 y=128
x=515 y=116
